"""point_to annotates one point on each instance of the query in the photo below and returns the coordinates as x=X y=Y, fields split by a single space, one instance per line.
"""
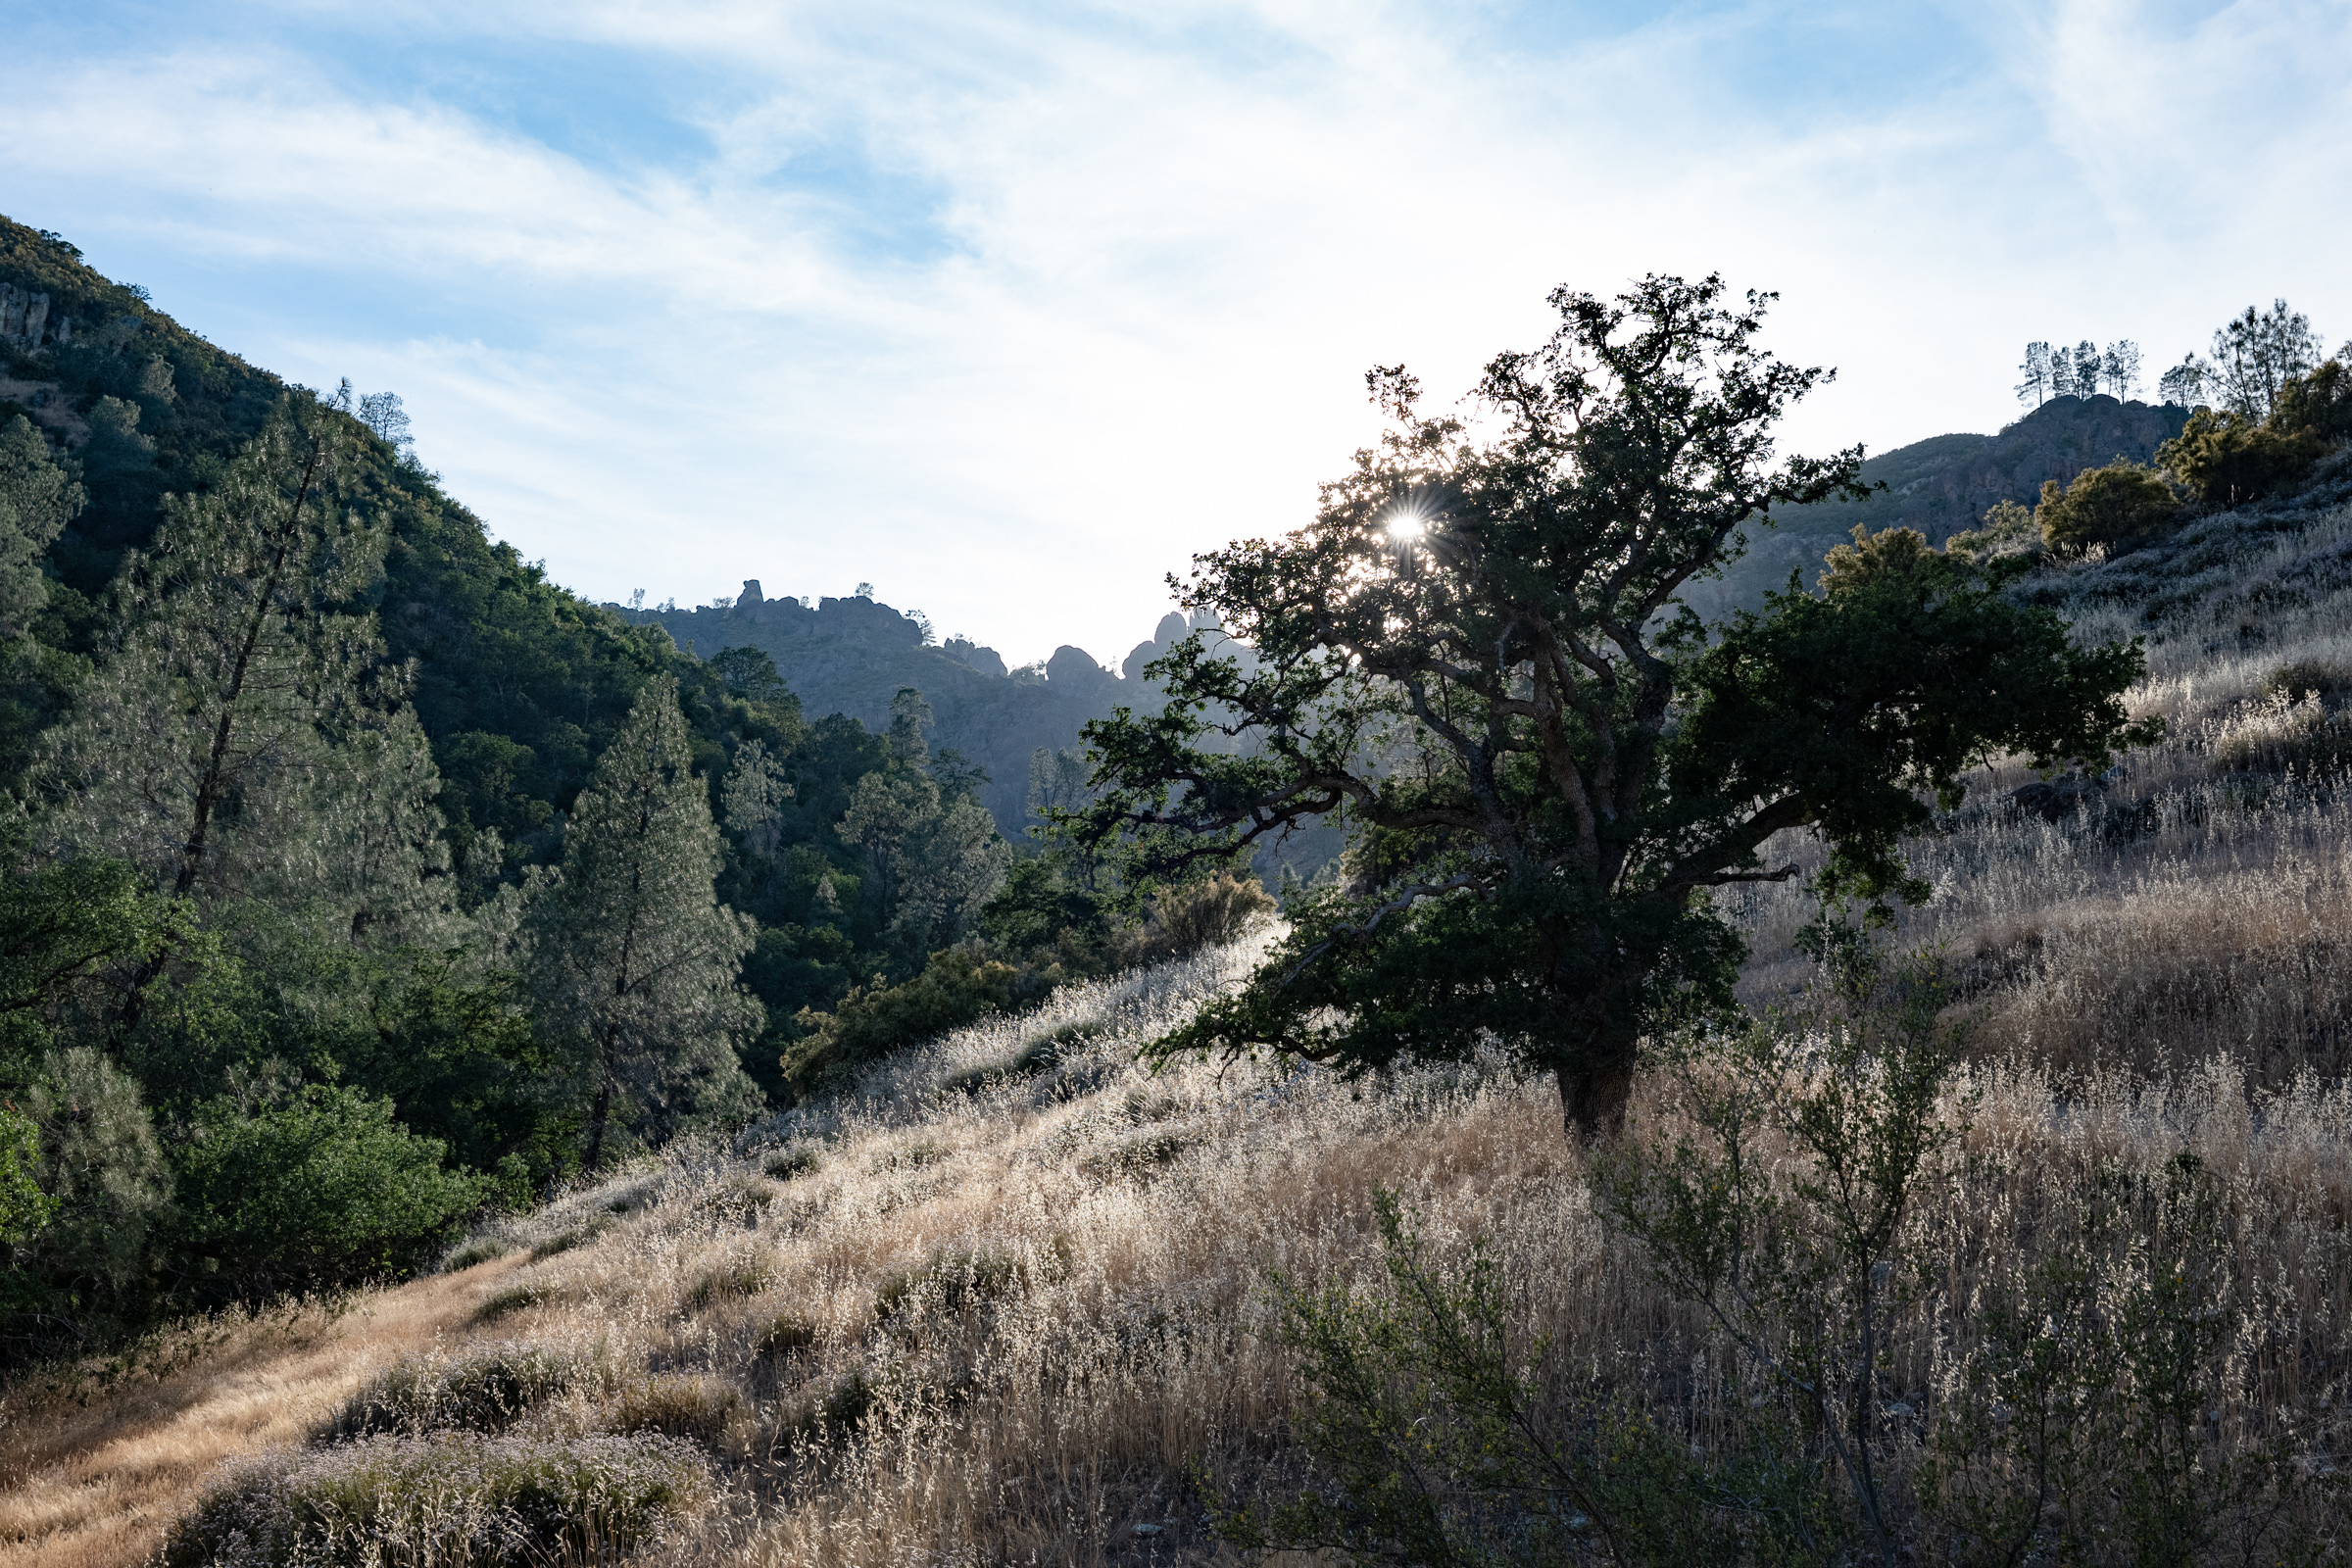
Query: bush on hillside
x=325 y=1187
x=23 y=1207
x=2228 y=460
x=101 y=1165
x=957 y=985
x=486 y=1501
x=487 y=1387
x=2318 y=405
x=2008 y=530
x=2110 y=506
x=1200 y=914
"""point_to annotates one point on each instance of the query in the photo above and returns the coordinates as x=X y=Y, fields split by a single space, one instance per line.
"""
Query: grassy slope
x=1048 y=1268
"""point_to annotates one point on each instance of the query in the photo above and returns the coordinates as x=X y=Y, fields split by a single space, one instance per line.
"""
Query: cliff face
x=1945 y=484
x=853 y=656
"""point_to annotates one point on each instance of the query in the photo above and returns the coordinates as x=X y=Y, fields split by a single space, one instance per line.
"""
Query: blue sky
x=1010 y=309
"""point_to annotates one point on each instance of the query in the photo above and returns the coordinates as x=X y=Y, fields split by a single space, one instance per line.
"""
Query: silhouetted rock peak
x=971 y=655
x=1075 y=669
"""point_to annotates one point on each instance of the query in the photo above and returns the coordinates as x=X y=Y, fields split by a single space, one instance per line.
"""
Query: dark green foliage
x=1046 y=915
x=321 y=1186
x=2318 y=405
x=92 y=1269
x=957 y=985
x=62 y=926
x=520 y=684
x=169 y=406
x=23 y=1206
x=1844 y=709
x=2228 y=459
x=462 y=1059
x=1442 y=1439
x=2111 y=506
x=1473 y=658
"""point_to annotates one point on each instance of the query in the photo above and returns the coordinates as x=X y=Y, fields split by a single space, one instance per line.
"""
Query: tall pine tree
x=244 y=737
x=634 y=958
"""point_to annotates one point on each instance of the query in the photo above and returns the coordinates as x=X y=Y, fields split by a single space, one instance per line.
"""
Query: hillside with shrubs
x=485 y=1084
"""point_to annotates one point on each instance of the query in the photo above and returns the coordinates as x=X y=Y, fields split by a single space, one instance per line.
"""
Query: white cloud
x=1009 y=311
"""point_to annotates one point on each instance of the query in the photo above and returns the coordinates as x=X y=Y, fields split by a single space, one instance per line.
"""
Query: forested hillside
x=853 y=655
x=486 y=1077
x=322 y=793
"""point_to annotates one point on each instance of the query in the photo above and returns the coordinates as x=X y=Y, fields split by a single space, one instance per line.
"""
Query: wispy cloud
x=1010 y=308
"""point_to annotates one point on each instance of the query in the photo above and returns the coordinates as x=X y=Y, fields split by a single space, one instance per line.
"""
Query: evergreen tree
x=2118 y=367
x=2089 y=365
x=634 y=957
x=934 y=851
x=36 y=502
x=2184 y=385
x=953 y=863
x=2256 y=353
x=243 y=739
x=189 y=746
x=2036 y=371
x=753 y=800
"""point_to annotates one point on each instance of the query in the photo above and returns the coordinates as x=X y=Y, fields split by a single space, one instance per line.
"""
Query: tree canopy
x=1475 y=658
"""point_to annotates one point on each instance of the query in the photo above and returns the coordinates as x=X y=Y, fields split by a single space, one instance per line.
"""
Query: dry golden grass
x=996 y=1304
x=93 y=1468
x=1003 y=1323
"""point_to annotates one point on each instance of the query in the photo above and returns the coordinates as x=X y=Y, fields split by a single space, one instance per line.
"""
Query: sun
x=1406 y=527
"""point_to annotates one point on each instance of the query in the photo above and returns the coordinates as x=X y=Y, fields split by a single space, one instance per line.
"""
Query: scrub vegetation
x=483 y=1086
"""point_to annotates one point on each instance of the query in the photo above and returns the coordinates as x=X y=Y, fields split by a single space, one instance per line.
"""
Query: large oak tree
x=1474 y=657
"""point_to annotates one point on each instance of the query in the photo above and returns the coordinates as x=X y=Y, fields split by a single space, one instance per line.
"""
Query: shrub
x=2008 y=530
x=23 y=1207
x=564 y=1241
x=513 y=1299
x=2228 y=459
x=326 y=1187
x=1428 y=1421
x=1193 y=916
x=951 y=1282
x=2122 y=501
x=959 y=985
x=2318 y=405
x=1037 y=1056
x=697 y=1407
x=844 y=1408
x=100 y=1162
x=478 y=1250
x=787 y=1164
x=738 y=1276
x=787 y=1336
x=1136 y=1158
x=490 y=1502
x=2082 y=1420
x=485 y=1389
x=2308 y=678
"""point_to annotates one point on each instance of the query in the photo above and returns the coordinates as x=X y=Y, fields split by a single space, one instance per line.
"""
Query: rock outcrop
x=1945 y=484
x=26 y=325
